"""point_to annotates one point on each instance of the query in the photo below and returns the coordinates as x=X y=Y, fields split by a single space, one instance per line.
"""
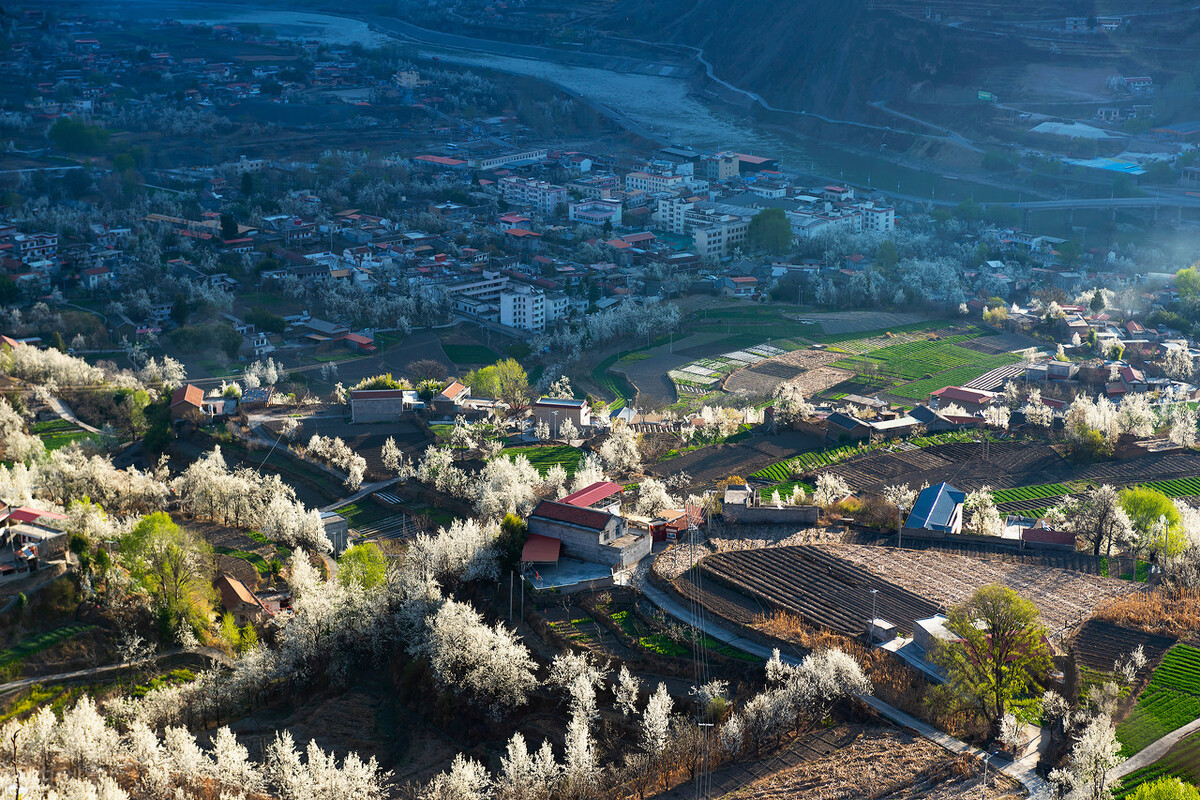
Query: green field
x=1180 y=487
x=363 y=513
x=254 y=559
x=1032 y=492
x=39 y=642
x=469 y=354
x=840 y=338
x=1170 y=701
x=545 y=456
x=613 y=383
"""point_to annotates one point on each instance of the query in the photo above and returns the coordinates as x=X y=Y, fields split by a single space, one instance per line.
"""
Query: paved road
x=64 y=677
x=1018 y=771
x=66 y=413
x=1155 y=751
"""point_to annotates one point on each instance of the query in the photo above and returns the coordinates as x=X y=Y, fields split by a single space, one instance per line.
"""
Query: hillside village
x=379 y=426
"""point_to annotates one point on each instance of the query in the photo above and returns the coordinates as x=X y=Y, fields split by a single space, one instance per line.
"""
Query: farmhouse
x=938 y=509
x=381 y=405
x=972 y=401
x=555 y=411
x=588 y=534
x=601 y=496
x=239 y=600
x=186 y=402
x=337 y=528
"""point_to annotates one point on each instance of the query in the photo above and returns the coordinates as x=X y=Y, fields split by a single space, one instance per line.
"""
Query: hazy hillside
x=834 y=57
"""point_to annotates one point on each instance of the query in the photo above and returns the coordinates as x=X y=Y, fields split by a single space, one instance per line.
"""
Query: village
x=377 y=425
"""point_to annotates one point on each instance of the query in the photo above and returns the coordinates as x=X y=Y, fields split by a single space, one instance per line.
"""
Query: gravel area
x=678 y=559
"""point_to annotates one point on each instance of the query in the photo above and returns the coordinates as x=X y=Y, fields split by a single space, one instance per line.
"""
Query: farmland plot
x=1181 y=761
x=949 y=579
x=816 y=586
x=1169 y=701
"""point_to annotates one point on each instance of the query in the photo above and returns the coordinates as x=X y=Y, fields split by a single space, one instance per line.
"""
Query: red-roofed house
x=602 y=496
x=239 y=601
x=187 y=401
x=589 y=535
x=357 y=341
x=451 y=398
x=970 y=400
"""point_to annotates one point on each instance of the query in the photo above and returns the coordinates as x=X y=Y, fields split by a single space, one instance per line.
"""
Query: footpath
x=1021 y=771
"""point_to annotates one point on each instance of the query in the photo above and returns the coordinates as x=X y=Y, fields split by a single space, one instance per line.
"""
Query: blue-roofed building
x=939 y=509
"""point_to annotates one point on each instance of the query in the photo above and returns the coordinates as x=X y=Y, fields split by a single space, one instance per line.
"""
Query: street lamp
x=983 y=788
x=871 y=628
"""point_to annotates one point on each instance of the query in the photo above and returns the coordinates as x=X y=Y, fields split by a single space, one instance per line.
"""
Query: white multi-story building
x=595 y=212
x=546 y=198
x=719 y=235
x=653 y=183
x=878 y=219
x=486 y=288
x=529 y=308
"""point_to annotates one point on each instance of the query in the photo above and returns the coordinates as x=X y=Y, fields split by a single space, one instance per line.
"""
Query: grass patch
x=39 y=642
x=54 y=425
x=254 y=559
x=545 y=456
x=469 y=354
x=363 y=513
x=54 y=441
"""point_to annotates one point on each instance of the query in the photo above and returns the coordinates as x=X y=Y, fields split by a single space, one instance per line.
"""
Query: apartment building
x=654 y=183
x=595 y=212
x=719 y=235
x=545 y=198
x=879 y=219
x=531 y=309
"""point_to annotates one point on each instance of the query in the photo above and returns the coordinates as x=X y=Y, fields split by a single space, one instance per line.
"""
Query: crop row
x=1180 y=487
x=1031 y=492
x=1170 y=701
x=1182 y=761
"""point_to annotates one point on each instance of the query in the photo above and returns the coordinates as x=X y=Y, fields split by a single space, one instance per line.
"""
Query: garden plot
x=707 y=373
x=817 y=586
x=949 y=579
x=806 y=369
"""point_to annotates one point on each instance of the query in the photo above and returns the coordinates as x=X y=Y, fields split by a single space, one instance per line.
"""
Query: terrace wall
x=768 y=515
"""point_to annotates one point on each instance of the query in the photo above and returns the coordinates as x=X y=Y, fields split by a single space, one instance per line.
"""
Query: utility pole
x=871 y=627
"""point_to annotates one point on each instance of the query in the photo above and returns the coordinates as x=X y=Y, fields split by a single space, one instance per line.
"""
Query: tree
x=1187 y=282
x=362 y=565
x=229 y=226
x=620 y=450
x=174 y=566
x=426 y=369
x=770 y=230
x=505 y=380
x=1095 y=753
x=486 y=664
x=525 y=775
x=1154 y=517
x=656 y=723
x=247 y=184
x=627 y=692
x=56 y=341
x=1097 y=303
x=831 y=488
x=1166 y=789
x=1001 y=652
x=1097 y=517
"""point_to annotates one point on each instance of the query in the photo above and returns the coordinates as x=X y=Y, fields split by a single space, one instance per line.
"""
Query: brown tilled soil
x=948 y=579
x=855 y=761
x=804 y=368
x=711 y=464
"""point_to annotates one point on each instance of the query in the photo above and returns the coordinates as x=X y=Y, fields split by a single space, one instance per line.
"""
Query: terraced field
x=819 y=587
x=1170 y=701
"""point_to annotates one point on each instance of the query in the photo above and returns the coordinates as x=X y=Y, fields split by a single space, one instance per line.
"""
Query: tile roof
x=590 y=495
x=572 y=515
